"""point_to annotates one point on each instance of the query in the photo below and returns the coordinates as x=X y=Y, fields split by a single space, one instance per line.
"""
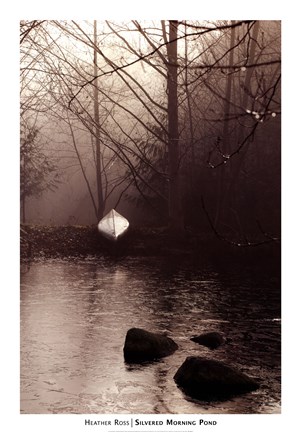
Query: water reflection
x=75 y=315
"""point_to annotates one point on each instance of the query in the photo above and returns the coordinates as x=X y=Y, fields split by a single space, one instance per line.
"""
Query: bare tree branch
x=246 y=243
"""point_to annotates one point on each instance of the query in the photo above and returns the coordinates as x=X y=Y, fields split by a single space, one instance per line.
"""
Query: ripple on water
x=75 y=315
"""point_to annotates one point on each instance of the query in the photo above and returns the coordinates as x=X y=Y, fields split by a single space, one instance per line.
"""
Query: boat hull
x=113 y=225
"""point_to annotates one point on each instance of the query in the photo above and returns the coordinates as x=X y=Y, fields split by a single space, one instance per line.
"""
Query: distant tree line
x=37 y=171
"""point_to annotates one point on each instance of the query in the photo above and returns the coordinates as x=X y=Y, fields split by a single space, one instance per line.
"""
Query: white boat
x=113 y=225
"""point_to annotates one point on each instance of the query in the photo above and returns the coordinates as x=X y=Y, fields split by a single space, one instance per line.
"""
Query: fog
x=177 y=126
x=99 y=131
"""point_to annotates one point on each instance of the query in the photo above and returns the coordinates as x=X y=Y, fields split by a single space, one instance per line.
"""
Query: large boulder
x=211 y=339
x=141 y=345
x=206 y=379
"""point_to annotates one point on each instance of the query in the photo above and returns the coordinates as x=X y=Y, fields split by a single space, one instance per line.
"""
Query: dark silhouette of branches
x=226 y=158
x=219 y=27
x=151 y=53
x=245 y=243
x=26 y=27
x=58 y=79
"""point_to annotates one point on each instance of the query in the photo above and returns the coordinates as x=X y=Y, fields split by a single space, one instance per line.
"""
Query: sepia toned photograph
x=150 y=217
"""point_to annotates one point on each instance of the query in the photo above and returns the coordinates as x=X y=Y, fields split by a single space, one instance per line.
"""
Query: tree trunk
x=175 y=210
x=83 y=169
x=23 y=209
x=190 y=119
x=231 y=195
x=225 y=146
x=100 y=199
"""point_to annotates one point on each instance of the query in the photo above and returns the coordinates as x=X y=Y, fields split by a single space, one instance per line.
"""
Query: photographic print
x=150 y=209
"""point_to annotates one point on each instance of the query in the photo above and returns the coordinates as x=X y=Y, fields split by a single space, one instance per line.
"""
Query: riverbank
x=72 y=241
x=52 y=241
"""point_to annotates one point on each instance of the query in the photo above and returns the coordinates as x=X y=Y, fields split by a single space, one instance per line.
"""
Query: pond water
x=75 y=314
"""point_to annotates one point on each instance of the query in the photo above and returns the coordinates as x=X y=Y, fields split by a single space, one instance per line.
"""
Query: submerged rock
x=141 y=345
x=207 y=379
x=211 y=339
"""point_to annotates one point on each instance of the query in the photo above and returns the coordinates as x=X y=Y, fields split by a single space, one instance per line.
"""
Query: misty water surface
x=75 y=315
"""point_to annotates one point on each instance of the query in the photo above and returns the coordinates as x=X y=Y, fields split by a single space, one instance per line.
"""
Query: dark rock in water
x=211 y=340
x=206 y=379
x=141 y=345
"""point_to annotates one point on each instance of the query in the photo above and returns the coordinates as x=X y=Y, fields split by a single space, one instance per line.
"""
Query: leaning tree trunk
x=175 y=208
